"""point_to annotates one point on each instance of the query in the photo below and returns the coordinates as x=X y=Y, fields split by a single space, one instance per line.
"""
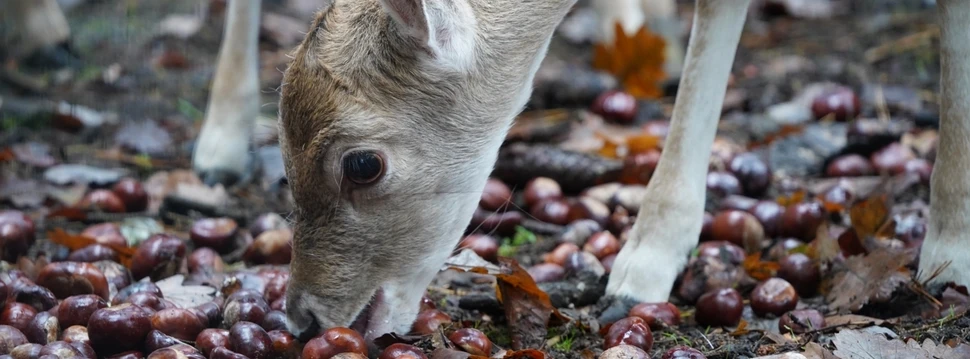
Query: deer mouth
x=369 y=322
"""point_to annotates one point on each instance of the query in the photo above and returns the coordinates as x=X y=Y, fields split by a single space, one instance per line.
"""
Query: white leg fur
x=949 y=224
x=660 y=15
x=222 y=151
x=33 y=24
x=669 y=222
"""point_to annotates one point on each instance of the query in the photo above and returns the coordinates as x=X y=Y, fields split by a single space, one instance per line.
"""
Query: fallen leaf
x=637 y=61
x=642 y=143
x=870 y=214
x=23 y=193
x=759 y=269
x=824 y=248
x=524 y=354
x=854 y=344
x=816 y=351
x=34 y=154
x=185 y=296
x=871 y=277
x=788 y=200
x=527 y=308
x=851 y=320
x=75 y=242
x=144 y=137
x=742 y=328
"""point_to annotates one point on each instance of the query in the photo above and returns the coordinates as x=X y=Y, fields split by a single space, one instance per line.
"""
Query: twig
x=900 y=45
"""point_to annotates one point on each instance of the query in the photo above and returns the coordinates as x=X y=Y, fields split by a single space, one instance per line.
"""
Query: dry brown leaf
x=759 y=269
x=816 y=351
x=851 y=320
x=796 y=197
x=637 y=61
x=870 y=214
x=742 y=328
x=854 y=344
x=527 y=308
x=824 y=248
x=872 y=277
x=75 y=242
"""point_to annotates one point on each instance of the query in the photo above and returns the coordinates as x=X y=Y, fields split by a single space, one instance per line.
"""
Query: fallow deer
x=393 y=110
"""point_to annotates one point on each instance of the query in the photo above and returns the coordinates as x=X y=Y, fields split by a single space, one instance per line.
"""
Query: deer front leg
x=669 y=222
x=948 y=235
x=222 y=154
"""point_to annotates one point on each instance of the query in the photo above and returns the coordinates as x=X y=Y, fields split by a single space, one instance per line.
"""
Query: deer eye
x=363 y=167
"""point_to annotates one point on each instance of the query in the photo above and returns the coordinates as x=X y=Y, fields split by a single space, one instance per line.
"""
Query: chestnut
x=43 y=329
x=149 y=301
x=129 y=354
x=276 y=287
x=212 y=311
x=607 y=263
x=334 y=341
x=584 y=262
x=800 y=321
x=85 y=349
x=119 y=328
x=630 y=331
x=624 y=351
x=602 y=244
x=271 y=247
x=723 y=251
x=25 y=351
x=65 y=279
x=117 y=274
x=740 y=228
x=223 y=353
x=541 y=189
x=215 y=233
x=205 y=259
x=892 y=159
x=14 y=241
x=10 y=338
x=101 y=200
x=638 y=168
x=244 y=309
x=546 y=272
x=919 y=167
x=428 y=321
x=158 y=257
x=841 y=102
x=836 y=195
x=17 y=315
x=656 y=313
x=27 y=292
x=211 y=338
x=484 y=245
x=157 y=340
x=472 y=341
x=752 y=171
x=588 y=208
x=132 y=194
x=178 y=351
x=496 y=196
x=773 y=296
x=124 y=293
x=850 y=165
x=769 y=213
x=76 y=333
x=615 y=106
x=93 y=253
x=76 y=310
x=801 y=220
x=560 y=253
x=402 y=351
x=579 y=231
x=284 y=343
x=551 y=211
x=799 y=270
x=683 y=352
x=274 y=320
x=267 y=222
x=251 y=340
x=723 y=183
x=62 y=350
x=107 y=233
x=719 y=307
x=177 y=322
x=707 y=227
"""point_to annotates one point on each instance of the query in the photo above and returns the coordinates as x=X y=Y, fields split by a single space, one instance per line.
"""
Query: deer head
x=391 y=116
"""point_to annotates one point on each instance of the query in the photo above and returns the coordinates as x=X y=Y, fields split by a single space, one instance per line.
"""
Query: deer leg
x=669 y=222
x=31 y=25
x=222 y=153
x=949 y=223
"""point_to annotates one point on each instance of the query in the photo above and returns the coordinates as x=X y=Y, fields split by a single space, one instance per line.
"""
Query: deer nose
x=302 y=323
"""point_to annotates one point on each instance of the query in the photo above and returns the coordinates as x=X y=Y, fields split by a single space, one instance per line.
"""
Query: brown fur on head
x=428 y=86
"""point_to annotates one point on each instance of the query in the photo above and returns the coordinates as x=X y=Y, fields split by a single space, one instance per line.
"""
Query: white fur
x=223 y=143
x=949 y=223
x=669 y=221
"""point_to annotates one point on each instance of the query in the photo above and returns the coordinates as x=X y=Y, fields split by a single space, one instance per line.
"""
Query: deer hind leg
x=669 y=222
x=222 y=154
x=31 y=25
x=948 y=235
x=659 y=15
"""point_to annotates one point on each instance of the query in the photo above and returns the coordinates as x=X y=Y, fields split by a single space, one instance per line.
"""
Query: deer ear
x=446 y=28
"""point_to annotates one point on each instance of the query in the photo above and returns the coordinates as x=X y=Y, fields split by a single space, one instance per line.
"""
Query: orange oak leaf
x=75 y=242
x=637 y=61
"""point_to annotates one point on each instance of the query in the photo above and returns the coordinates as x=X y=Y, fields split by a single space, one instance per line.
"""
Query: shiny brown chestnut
x=271 y=247
x=132 y=194
x=107 y=233
x=17 y=315
x=43 y=329
x=101 y=200
x=66 y=279
x=496 y=196
x=402 y=351
x=719 y=307
x=119 y=328
x=428 y=321
x=657 y=315
x=546 y=272
x=774 y=296
x=10 y=338
x=211 y=338
x=158 y=257
x=334 y=341
x=215 y=233
x=251 y=340
x=803 y=273
x=630 y=331
x=752 y=171
x=177 y=322
x=472 y=341
x=93 y=253
x=541 y=189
